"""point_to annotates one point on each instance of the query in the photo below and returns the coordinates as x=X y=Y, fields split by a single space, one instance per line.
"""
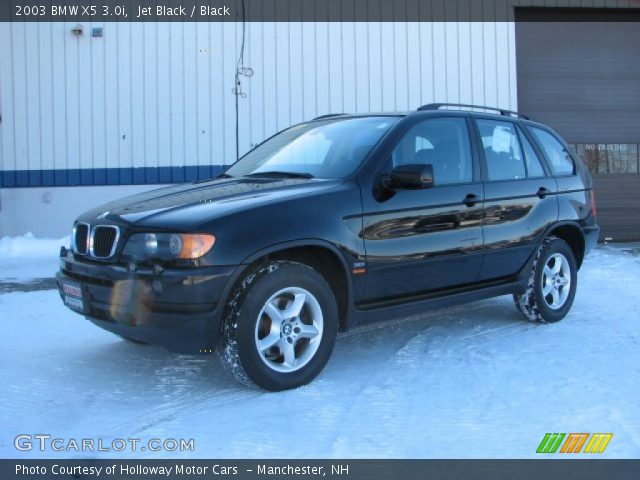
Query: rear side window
x=559 y=159
x=501 y=150
x=534 y=167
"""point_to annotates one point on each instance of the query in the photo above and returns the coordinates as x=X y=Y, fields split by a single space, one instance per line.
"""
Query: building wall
x=47 y=211
x=152 y=103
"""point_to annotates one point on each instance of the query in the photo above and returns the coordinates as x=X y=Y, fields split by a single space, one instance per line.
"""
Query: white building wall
x=154 y=95
x=47 y=211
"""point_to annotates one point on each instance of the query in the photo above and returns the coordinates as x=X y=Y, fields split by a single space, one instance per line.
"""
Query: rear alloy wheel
x=552 y=284
x=556 y=281
x=280 y=326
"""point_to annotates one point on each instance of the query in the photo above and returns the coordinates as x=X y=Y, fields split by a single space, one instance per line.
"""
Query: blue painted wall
x=106 y=176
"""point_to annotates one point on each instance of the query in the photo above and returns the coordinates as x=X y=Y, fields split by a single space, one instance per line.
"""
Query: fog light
x=157 y=286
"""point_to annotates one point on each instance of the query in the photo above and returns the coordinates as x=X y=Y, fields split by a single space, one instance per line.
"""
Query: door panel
x=515 y=218
x=421 y=240
x=520 y=199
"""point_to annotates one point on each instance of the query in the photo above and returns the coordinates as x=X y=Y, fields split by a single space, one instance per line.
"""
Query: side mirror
x=412 y=176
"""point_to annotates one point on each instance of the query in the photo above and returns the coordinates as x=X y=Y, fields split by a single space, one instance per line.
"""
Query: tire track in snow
x=385 y=399
x=174 y=409
x=175 y=382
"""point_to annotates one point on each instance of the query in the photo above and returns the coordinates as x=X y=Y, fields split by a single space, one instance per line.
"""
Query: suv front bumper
x=177 y=308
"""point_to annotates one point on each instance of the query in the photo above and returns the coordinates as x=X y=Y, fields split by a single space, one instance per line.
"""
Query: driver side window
x=442 y=143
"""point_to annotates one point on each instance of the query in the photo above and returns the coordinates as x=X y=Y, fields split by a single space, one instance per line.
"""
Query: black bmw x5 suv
x=333 y=222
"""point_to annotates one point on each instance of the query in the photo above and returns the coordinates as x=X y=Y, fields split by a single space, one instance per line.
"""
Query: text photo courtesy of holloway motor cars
x=319 y=238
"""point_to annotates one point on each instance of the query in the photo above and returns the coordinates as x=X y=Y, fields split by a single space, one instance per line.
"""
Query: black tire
x=237 y=349
x=532 y=304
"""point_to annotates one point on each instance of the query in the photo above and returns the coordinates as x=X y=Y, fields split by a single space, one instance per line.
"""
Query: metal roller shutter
x=583 y=79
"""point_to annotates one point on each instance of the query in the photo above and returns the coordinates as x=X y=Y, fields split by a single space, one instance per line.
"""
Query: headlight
x=150 y=243
x=168 y=246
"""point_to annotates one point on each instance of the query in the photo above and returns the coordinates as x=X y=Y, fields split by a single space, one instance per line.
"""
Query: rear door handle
x=471 y=199
x=543 y=192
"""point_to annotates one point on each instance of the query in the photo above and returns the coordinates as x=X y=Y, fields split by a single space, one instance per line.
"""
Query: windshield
x=331 y=148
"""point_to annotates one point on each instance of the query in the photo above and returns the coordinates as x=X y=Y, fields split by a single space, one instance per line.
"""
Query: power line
x=241 y=70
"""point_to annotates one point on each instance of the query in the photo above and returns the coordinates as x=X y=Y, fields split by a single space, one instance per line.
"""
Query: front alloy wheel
x=280 y=326
x=289 y=329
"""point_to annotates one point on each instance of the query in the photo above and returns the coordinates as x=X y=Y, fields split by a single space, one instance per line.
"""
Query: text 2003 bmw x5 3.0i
x=334 y=222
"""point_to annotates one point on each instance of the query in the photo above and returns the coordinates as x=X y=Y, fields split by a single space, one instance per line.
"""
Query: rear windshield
x=332 y=148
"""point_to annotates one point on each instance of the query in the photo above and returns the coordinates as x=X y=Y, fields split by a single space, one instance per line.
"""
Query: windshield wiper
x=276 y=174
x=204 y=180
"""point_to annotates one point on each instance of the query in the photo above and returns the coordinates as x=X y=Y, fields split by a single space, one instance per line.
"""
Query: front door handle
x=543 y=192
x=471 y=199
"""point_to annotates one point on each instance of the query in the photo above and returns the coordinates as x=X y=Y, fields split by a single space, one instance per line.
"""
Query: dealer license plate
x=73 y=295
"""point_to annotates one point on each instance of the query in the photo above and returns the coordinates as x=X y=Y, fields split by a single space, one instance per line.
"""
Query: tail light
x=593 y=203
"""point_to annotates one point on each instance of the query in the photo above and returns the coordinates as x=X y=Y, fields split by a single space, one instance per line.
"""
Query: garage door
x=583 y=79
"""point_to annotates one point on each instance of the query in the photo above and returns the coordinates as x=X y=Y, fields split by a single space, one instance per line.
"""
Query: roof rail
x=329 y=115
x=502 y=111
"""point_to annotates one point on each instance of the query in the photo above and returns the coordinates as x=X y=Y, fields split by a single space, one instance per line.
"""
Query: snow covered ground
x=469 y=381
x=26 y=257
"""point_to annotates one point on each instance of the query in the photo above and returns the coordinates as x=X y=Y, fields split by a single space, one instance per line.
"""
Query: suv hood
x=185 y=205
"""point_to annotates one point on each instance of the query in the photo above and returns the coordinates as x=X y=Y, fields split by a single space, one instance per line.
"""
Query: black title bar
x=547 y=469
x=309 y=10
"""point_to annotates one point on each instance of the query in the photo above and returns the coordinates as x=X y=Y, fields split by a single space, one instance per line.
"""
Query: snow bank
x=28 y=256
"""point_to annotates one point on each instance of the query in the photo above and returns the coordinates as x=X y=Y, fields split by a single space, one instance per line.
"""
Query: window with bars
x=603 y=158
